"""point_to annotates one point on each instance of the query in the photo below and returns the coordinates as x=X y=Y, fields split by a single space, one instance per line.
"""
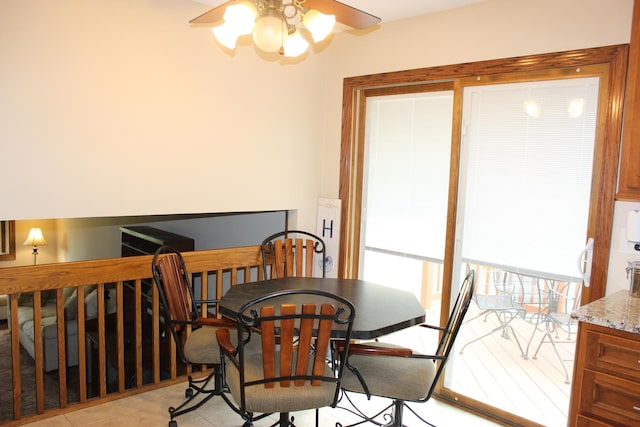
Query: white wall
x=120 y=107
x=622 y=251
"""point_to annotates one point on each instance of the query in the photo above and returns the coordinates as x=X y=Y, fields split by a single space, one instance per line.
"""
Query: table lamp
x=35 y=239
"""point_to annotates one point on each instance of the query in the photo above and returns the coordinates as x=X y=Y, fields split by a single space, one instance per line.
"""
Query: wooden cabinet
x=629 y=186
x=606 y=381
x=145 y=240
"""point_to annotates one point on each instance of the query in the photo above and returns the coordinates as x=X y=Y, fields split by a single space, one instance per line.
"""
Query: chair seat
x=393 y=377
x=278 y=399
x=201 y=348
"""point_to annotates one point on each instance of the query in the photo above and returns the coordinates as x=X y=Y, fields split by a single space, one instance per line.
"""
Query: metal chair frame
x=295 y=328
x=561 y=304
x=505 y=304
x=291 y=253
x=182 y=310
x=445 y=345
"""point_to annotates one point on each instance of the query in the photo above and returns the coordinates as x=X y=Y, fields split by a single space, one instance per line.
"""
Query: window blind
x=526 y=174
x=407 y=172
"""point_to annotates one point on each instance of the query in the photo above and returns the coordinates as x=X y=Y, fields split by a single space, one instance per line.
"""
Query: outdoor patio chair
x=498 y=293
x=563 y=300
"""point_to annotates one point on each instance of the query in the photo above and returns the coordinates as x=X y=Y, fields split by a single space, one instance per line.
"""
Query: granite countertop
x=617 y=311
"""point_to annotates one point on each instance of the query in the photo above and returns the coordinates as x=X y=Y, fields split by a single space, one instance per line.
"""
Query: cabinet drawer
x=588 y=422
x=613 y=353
x=611 y=398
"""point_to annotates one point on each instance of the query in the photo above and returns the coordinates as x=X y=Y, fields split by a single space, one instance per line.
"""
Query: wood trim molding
x=611 y=128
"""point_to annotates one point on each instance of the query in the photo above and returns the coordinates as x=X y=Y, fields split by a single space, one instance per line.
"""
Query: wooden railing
x=213 y=270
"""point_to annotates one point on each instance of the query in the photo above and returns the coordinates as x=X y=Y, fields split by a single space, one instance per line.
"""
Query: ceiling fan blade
x=345 y=14
x=212 y=16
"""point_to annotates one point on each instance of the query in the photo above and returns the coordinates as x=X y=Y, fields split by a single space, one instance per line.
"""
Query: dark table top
x=380 y=310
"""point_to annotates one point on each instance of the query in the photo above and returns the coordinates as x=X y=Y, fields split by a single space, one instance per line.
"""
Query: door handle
x=584 y=265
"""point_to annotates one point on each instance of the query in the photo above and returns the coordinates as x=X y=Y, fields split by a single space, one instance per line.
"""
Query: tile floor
x=150 y=410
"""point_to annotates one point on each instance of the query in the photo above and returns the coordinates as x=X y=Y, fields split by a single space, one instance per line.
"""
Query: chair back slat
x=299 y=257
x=174 y=285
x=280 y=258
x=288 y=257
x=304 y=342
x=287 y=327
x=268 y=349
x=309 y=258
x=322 y=342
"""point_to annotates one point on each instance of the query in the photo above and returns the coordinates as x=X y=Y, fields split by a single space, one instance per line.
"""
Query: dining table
x=380 y=310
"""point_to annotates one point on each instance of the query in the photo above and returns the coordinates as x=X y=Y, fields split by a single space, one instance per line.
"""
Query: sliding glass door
x=532 y=172
x=405 y=190
x=524 y=188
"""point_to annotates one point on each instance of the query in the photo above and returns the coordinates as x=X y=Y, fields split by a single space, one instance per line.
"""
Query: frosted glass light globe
x=295 y=45
x=226 y=35
x=318 y=24
x=241 y=17
x=269 y=33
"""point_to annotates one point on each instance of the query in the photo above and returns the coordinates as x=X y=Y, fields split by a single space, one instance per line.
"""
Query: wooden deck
x=493 y=370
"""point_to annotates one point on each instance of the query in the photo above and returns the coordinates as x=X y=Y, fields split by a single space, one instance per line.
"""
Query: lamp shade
x=35 y=238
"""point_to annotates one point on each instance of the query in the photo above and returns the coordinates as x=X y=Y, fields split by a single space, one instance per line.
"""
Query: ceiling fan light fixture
x=318 y=24
x=269 y=33
x=295 y=45
x=226 y=35
x=241 y=16
x=276 y=23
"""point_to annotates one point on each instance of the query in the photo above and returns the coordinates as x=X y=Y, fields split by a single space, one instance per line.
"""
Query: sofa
x=4 y=310
x=49 y=325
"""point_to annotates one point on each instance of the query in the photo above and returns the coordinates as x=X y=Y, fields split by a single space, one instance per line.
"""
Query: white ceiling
x=388 y=10
x=392 y=10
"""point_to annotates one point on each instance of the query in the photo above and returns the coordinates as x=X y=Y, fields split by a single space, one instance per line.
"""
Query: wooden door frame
x=352 y=148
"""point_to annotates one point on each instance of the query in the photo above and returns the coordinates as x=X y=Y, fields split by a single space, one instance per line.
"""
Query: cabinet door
x=588 y=422
x=610 y=398
x=613 y=354
x=629 y=187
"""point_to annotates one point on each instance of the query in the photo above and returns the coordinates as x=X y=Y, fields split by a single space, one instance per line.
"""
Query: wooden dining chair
x=292 y=372
x=293 y=253
x=194 y=335
x=400 y=373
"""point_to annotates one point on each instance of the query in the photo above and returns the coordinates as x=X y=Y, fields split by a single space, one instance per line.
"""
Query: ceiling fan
x=273 y=23
x=345 y=14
